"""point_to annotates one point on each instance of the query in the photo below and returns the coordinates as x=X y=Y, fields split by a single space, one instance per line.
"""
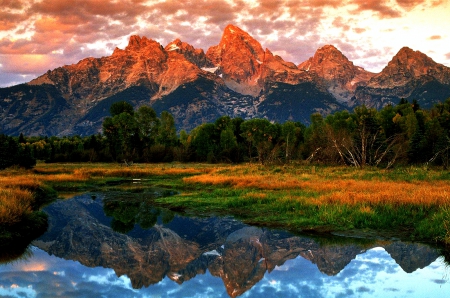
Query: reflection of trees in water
x=126 y=214
x=15 y=239
x=14 y=253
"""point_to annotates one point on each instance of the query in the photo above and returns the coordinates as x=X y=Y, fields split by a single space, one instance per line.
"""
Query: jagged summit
x=246 y=68
x=239 y=57
x=136 y=42
x=195 y=56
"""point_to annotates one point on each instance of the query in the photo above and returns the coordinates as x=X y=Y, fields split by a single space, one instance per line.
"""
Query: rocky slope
x=237 y=78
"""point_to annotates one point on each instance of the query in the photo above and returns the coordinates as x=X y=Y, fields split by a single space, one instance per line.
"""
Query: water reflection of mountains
x=182 y=247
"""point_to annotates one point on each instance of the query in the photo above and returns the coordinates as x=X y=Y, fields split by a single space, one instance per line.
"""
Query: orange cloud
x=435 y=37
x=408 y=4
x=359 y=30
x=26 y=64
x=13 y=4
x=381 y=7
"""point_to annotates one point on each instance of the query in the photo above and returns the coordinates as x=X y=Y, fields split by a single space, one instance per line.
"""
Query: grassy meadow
x=409 y=203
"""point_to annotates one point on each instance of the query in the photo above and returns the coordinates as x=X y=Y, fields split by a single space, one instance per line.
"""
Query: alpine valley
x=237 y=78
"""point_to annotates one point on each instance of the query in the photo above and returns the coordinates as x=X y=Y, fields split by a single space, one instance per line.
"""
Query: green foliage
x=261 y=135
x=205 y=141
x=167 y=134
x=148 y=125
x=121 y=107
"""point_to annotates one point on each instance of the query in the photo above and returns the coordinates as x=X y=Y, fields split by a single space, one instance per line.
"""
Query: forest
x=399 y=134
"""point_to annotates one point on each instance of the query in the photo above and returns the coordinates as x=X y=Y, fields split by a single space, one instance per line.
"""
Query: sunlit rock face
x=184 y=247
x=239 y=57
x=246 y=68
x=237 y=77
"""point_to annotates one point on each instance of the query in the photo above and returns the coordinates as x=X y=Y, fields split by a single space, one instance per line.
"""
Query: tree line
x=397 y=134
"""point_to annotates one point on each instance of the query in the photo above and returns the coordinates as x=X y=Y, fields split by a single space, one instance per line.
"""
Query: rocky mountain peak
x=136 y=43
x=408 y=65
x=235 y=38
x=413 y=62
x=340 y=76
x=328 y=55
x=329 y=63
x=239 y=57
x=195 y=56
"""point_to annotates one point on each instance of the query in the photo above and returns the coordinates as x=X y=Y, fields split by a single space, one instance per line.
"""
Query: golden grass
x=382 y=192
x=21 y=181
x=269 y=182
x=16 y=197
x=338 y=191
x=14 y=204
x=82 y=172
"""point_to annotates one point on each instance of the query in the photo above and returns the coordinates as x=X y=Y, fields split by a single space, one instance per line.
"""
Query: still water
x=118 y=245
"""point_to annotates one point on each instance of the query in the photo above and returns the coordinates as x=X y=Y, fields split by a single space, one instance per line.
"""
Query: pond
x=119 y=245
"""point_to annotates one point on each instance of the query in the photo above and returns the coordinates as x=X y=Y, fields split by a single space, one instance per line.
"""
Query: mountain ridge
x=236 y=77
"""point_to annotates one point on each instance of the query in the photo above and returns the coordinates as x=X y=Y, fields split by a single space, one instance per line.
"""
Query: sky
x=41 y=35
x=371 y=274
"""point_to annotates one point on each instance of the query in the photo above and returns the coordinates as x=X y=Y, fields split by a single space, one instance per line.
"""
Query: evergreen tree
x=121 y=107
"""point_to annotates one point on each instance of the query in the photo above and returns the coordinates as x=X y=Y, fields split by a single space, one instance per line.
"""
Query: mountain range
x=237 y=78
